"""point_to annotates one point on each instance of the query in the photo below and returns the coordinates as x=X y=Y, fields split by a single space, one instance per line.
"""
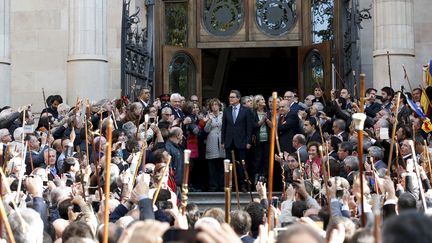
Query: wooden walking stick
x=227 y=191
x=389 y=70
x=107 y=179
x=235 y=179
x=31 y=157
x=393 y=135
x=271 y=159
x=323 y=168
x=247 y=179
x=281 y=165
x=142 y=156
x=359 y=119
x=300 y=163
x=96 y=163
x=159 y=185
x=417 y=171
x=6 y=222
x=426 y=149
x=185 y=188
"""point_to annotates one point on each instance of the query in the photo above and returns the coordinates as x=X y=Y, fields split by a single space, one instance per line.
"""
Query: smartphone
x=151 y=120
x=275 y=202
x=179 y=235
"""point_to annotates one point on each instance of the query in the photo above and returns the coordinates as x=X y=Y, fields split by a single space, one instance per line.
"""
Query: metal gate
x=137 y=65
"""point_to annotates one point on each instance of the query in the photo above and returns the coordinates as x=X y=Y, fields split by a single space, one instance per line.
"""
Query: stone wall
x=39 y=50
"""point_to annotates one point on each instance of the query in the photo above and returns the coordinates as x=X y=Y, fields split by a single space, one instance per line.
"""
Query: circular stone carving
x=223 y=18
x=275 y=17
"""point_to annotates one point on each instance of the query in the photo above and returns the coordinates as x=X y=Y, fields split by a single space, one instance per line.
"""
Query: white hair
x=175 y=95
x=32 y=231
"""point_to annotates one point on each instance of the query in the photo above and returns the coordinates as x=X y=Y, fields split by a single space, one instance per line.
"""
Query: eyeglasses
x=288 y=96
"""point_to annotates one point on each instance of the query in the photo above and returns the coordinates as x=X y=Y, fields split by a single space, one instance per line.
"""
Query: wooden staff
x=389 y=70
x=362 y=91
x=247 y=179
x=417 y=171
x=86 y=136
x=271 y=159
x=393 y=135
x=107 y=179
x=31 y=157
x=88 y=112
x=397 y=160
x=281 y=165
x=22 y=171
x=227 y=191
x=426 y=150
x=185 y=188
x=75 y=112
x=100 y=134
x=406 y=77
x=140 y=159
x=159 y=185
x=374 y=171
x=114 y=119
x=7 y=186
x=6 y=222
x=300 y=163
x=235 y=179
x=329 y=210
x=359 y=119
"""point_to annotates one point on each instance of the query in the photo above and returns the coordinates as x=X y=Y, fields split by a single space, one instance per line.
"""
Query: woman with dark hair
x=313 y=164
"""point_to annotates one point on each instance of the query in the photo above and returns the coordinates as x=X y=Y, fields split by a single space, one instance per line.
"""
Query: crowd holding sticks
x=153 y=166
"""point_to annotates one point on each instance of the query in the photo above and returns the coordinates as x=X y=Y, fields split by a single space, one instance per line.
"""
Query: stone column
x=87 y=69
x=5 y=62
x=393 y=32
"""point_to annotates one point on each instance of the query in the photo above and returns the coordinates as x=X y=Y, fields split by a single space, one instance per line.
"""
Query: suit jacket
x=372 y=109
x=303 y=154
x=288 y=126
x=247 y=239
x=239 y=133
x=403 y=115
x=315 y=137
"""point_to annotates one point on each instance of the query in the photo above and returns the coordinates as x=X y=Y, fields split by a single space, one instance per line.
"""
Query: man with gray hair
x=351 y=165
x=31 y=231
x=173 y=147
x=377 y=155
x=5 y=136
x=299 y=143
x=175 y=104
x=339 y=126
x=241 y=223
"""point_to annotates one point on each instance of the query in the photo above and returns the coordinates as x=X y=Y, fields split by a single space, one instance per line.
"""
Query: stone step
x=206 y=200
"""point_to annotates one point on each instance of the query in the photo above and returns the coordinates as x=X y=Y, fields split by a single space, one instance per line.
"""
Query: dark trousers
x=240 y=154
x=216 y=174
x=261 y=159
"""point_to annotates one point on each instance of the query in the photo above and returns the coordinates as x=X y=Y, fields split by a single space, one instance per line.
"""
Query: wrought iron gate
x=137 y=65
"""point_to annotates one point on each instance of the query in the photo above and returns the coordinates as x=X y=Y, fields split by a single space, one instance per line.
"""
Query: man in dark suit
x=144 y=99
x=339 y=126
x=299 y=143
x=237 y=124
x=312 y=135
x=288 y=126
x=371 y=107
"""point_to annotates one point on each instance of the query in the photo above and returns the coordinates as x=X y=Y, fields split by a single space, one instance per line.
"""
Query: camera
x=260 y=178
x=152 y=120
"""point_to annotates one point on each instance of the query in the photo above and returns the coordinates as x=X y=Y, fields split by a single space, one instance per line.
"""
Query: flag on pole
x=425 y=102
x=427 y=125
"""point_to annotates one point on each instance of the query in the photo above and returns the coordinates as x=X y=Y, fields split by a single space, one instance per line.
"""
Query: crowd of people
x=53 y=181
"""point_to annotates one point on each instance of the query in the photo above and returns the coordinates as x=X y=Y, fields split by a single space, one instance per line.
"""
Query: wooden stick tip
x=362 y=75
x=274 y=94
x=226 y=165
